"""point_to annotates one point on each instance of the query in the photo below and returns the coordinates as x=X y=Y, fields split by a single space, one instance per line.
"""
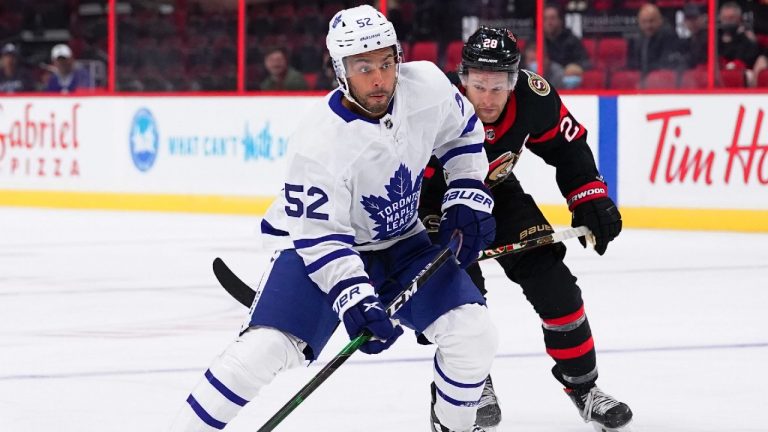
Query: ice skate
x=438 y=427
x=602 y=410
x=488 y=410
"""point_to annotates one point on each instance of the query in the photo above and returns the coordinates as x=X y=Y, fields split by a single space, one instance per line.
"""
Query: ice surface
x=108 y=319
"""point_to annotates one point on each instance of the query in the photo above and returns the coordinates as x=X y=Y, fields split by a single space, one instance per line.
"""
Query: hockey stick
x=245 y=294
x=555 y=237
x=395 y=305
x=233 y=284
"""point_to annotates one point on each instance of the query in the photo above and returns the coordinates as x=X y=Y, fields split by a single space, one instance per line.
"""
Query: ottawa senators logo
x=501 y=168
x=539 y=85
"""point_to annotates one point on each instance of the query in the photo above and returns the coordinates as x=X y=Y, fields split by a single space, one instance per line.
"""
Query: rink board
x=671 y=161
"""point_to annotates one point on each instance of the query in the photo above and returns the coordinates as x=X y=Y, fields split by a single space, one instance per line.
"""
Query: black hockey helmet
x=491 y=49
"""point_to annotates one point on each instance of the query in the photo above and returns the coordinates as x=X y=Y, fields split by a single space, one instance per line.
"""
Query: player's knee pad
x=253 y=359
x=467 y=341
x=554 y=292
x=536 y=261
x=236 y=376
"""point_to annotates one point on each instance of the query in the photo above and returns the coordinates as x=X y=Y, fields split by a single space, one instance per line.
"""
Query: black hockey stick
x=245 y=294
x=232 y=284
x=395 y=305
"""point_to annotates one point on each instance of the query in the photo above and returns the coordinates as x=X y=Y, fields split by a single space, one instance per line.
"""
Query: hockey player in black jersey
x=520 y=109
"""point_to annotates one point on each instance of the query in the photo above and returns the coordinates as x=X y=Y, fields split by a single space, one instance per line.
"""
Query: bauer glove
x=467 y=207
x=359 y=308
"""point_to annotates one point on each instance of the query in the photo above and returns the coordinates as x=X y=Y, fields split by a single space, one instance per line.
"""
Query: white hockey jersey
x=353 y=183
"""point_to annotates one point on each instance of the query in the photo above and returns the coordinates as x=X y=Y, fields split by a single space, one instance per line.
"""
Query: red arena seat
x=625 y=80
x=593 y=79
x=762 y=78
x=453 y=55
x=663 y=79
x=732 y=78
x=424 y=50
x=612 y=53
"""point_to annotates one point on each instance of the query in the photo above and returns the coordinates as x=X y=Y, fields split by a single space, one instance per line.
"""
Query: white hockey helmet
x=355 y=31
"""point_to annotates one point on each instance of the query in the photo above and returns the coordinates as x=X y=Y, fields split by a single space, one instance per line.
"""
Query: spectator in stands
x=12 y=78
x=327 y=79
x=656 y=47
x=281 y=75
x=563 y=47
x=572 y=76
x=759 y=16
x=553 y=72
x=694 y=48
x=66 y=77
x=737 y=48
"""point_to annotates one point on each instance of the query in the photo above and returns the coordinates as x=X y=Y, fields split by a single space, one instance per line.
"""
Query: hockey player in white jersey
x=348 y=236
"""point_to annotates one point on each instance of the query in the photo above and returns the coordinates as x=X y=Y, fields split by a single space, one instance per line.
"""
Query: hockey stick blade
x=232 y=284
x=555 y=237
x=395 y=305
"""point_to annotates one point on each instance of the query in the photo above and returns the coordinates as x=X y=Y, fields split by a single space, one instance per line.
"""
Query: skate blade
x=600 y=428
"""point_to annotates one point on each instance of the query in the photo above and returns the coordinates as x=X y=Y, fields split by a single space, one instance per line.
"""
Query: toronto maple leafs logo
x=336 y=21
x=460 y=101
x=397 y=211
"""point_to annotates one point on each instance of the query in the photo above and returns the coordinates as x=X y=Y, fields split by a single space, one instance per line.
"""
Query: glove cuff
x=472 y=194
x=344 y=297
x=588 y=192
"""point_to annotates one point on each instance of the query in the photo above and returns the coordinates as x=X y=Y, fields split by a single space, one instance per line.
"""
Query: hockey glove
x=467 y=207
x=591 y=207
x=359 y=308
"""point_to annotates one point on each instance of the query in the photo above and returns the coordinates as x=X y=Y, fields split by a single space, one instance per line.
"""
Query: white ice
x=108 y=319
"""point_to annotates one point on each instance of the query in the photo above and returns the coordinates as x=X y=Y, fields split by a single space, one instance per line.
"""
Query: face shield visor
x=368 y=63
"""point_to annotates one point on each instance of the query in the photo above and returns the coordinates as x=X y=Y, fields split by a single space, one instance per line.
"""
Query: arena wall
x=691 y=161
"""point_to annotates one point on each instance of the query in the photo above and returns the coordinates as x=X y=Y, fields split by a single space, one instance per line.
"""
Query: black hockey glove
x=591 y=207
x=467 y=207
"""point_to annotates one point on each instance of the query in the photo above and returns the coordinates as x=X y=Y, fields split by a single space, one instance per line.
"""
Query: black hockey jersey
x=534 y=118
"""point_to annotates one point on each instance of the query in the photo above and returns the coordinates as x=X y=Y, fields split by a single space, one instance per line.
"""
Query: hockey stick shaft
x=555 y=237
x=245 y=294
x=395 y=305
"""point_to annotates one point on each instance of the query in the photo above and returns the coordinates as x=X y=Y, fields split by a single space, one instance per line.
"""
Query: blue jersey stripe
x=224 y=390
x=458 y=151
x=339 y=253
x=470 y=125
x=305 y=243
x=455 y=383
x=203 y=414
x=468 y=184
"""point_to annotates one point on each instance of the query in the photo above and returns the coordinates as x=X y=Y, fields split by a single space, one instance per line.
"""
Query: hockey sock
x=569 y=342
